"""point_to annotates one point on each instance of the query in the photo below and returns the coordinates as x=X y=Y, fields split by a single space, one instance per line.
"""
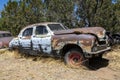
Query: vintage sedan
x=5 y=38
x=52 y=38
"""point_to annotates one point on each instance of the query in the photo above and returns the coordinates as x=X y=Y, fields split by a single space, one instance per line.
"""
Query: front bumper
x=99 y=49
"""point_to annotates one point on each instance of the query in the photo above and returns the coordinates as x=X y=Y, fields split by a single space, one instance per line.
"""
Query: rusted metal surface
x=5 y=38
x=52 y=40
x=98 y=31
x=85 y=41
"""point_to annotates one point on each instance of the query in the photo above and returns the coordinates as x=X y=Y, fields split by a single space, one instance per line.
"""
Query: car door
x=42 y=39
x=25 y=39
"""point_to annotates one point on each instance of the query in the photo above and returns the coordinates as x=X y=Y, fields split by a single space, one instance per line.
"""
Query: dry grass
x=15 y=67
x=6 y=54
x=114 y=58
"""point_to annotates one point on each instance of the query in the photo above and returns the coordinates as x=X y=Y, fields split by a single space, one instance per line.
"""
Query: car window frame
x=43 y=33
x=3 y=35
x=27 y=35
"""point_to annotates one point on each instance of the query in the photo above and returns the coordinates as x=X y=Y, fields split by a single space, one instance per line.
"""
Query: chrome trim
x=108 y=48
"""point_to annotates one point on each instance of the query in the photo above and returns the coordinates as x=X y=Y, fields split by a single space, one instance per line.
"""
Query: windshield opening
x=56 y=27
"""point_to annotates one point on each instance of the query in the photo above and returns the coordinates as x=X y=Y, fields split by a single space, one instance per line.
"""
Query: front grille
x=102 y=42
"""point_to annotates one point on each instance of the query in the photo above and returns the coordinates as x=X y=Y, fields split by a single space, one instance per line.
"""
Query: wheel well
x=68 y=47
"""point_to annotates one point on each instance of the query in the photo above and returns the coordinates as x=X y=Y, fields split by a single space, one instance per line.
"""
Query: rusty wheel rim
x=75 y=59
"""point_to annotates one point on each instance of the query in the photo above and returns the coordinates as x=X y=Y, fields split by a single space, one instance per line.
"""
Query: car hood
x=98 y=31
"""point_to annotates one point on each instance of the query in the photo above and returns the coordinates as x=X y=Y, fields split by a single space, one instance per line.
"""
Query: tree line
x=72 y=13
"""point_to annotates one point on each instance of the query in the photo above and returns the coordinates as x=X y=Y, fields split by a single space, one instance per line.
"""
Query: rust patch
x=27 y=37
x=99 y=31
x=83 y=40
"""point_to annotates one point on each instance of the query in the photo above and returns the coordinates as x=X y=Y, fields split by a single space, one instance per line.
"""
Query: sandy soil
x=15 y=67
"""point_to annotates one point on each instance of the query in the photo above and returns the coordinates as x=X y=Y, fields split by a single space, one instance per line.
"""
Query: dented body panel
x=85 y=41
x=98 y=31
x=51 y=38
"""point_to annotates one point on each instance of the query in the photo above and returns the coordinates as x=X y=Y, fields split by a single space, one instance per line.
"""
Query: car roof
x=4 y=32
x=43 y=23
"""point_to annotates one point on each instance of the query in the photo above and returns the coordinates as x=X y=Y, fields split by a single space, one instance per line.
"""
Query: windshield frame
x=61 y=27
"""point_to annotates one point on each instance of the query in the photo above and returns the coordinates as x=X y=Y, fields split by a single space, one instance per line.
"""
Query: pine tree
x=72 y=13
x=59 y=11
x=18 y=14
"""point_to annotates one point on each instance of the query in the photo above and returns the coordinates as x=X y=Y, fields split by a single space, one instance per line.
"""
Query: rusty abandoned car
x=52 y=38
x=5 y=38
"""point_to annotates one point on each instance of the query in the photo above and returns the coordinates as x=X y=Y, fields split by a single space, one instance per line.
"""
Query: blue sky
x=2 y=2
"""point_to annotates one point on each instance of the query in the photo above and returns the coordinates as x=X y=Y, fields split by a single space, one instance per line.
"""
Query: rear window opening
x=5 y=35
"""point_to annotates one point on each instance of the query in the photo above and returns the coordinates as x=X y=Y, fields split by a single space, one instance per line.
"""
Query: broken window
x=28 y=32
x=5 y=35
x=55 y=27
x=41 y=30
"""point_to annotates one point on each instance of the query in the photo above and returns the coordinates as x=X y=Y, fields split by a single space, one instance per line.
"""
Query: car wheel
x=74 y=58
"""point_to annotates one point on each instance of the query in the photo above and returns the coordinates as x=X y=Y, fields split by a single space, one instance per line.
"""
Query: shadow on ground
x=95 y=64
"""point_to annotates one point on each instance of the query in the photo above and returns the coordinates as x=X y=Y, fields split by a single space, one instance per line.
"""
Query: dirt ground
x=15 y=67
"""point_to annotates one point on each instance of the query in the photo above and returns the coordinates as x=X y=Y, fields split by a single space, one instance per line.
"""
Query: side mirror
x=20 y=37
x=34 y=36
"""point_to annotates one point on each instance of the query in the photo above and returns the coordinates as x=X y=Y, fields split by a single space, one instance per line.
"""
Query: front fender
x=85 y=41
